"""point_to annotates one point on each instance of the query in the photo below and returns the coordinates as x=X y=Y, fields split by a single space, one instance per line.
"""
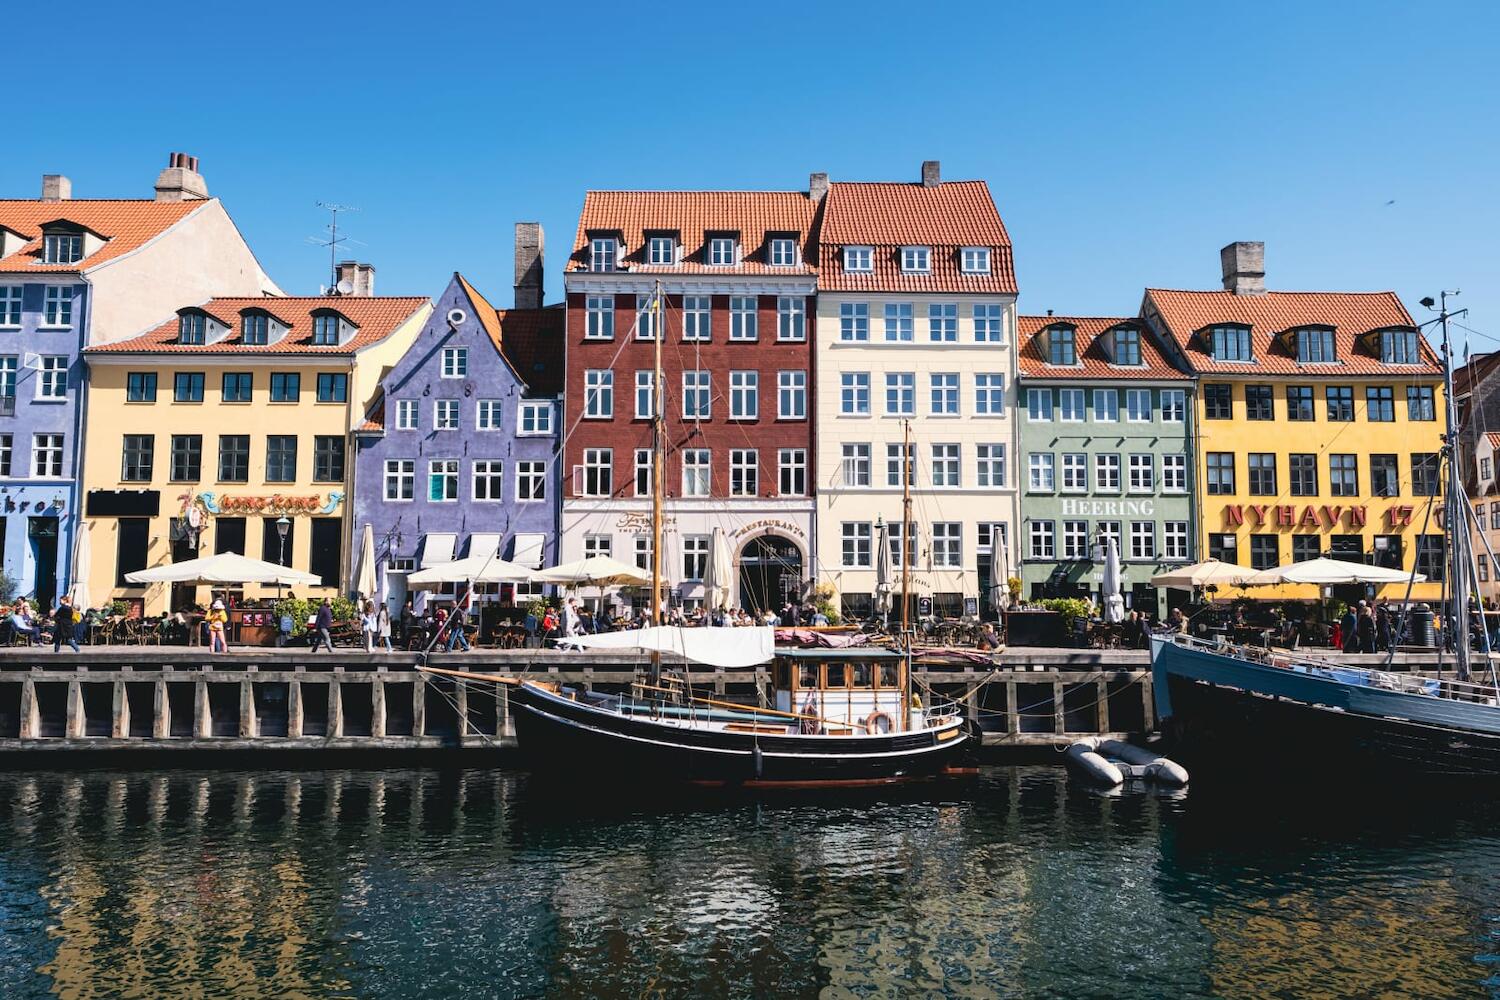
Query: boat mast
x=907 y=552
x=658 y=461
x=1455 y=519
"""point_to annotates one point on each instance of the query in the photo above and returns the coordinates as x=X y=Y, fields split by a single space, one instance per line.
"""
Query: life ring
x=873 y=723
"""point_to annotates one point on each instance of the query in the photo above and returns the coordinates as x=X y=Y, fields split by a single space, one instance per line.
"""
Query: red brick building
x=737 y=289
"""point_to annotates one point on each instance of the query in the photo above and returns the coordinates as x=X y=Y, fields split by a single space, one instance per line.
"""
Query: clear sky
x=1124 y=142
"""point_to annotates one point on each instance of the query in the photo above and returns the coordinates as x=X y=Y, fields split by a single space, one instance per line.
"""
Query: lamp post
x=282 y=524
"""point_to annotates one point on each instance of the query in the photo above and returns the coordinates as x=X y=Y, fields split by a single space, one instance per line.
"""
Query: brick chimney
x=529 y=248
x=932 y=173
x=360 y=276
x=1244 y=266
x=181 y=180
x=56 y=187
x=817 y=186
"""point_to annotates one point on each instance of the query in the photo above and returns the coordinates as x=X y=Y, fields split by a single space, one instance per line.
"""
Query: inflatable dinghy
x=1112 y=762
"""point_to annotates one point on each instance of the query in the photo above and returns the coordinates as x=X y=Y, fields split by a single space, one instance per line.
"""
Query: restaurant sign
x=275 y=503
x=769 y=524
x=1316 y=516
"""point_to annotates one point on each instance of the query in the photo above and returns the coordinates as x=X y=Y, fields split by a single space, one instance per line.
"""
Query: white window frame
x=942 y=322
x=791 y=395
x=744 y=394
x=47 y=456
x=1075 y=472
x=600 y=463
x=455 y=362
x=1143 y=540
x=989 y=323
x=916 y=260
x=598 y=545
x=52 y=377
x=899 y=326
x=400 y=473
x=990 y=461
x=943 y=397
x=1075 y=539
x=1039 y=406
x=534 y=418
x=898 y=456
x=744 y=318
x=1106 y=406
x=723 y=251
x=989 y=394
x=946 y=546
x=783 y=252
x=488 y=470
x=791 y=462
x=744 y=472
x=855 y=465
x=408 y=414
x=1041 y=472
x=1041 y=540
x=697 y=395
x=447 y=469
x=974 y=260
x=645 y=394
x=599 y=317
x=1072 y=406
x=1138 y=407
x=697 y=472
x=598 y=394
x=644 y=472
x=1107 y=472
x=697 y=318
x=856 y=546
x=10 y=306
x=62 y=248
x=854 y=394
x=1142 y=472
x=604 y=253
x=446 y=415
x=1174 y=540
x=1173 y=406
x=901 y=388
x=489 y=414
x=1174 y=473
x=947 y=466
x=57 y=307
x=854 y=322
x=531 y=475
x=661 y=251
x=645 y=317
x=791 y=318
x=859 y=259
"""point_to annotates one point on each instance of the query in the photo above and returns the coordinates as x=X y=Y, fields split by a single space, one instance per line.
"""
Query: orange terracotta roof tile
x=888 y=216
x=1494 y=438
x=1352 y=314
x=753 y=215
x=125 y=224
x=376 y=318
x=1089 y=343
x=374 y=422
x=530 y=340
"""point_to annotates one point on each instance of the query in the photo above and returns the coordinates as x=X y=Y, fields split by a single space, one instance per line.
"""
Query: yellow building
x=1318 y=425
x=204 y=432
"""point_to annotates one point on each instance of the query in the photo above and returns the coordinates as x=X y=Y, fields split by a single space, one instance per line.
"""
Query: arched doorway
x=770 y=573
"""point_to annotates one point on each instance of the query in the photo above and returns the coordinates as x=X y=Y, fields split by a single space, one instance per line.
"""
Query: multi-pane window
x=187 y=387
x=187 y=458
x=1299 y=402
x=945 y=465
x=898 y=458
x=1315 y=345
x=1262 y=466
x=62 y=248
x=1385 y=476
x=947 y=544
x=1075 y=540
x=442 y=480
x=52 y=378
x=1142 y=472
x=1230 y=343
x=1174 y=405
x=599 y=317
x=488 y=480
x=1106 y=406
x=1143 y=539
x=1127 y=346
x=991 y=465
x=856 y=464
x=1224 y=548
x=1419 y=403
x=234 y=458
x=744 y=472
x=1380 y=403
x=1075 y=472
x=791 y=469
x=333 y=387
x=1305 y=547
x=1040 y=474
x=1303 y=470
x=1431 y=558
x=696 y=472
x=602 y=254
x=645 y=394
x=1062 y=346
x=1040 y=540
x=531 y=481
x=598 y=472
x=783 y=252
x=855 y=538
x=192 y=329
x=328 y=458
x=859 y=260
x=9 y=364
x=854 y=393
x=898 y=322
x=643 y=552
x=661 y=251
x=598 y=545
x=1343 y=475
x=1174 y=538
x=903 y=542
x=975 y=260
x=455 y=362
x=1107 y=473
x=791 y=395
x=445 y=415
x=598 y=393
x=1258 y=404
x=1399 y=347
x=325 y=330
x=989 y=394
x=255 y=329
x=721 y=251
x=57 y=306
x=1071 y=405
x=944 y=394
x=1424 y=474
x=697 y=318
x=47 y=455
x=645 y=317
x=1220 y=473
x=400 y=478
x=286 y=387
x=1138 y=406
x=1039 y=405
x=281 y=458
x=408 y=414
x=1264 y=552
x=645 y=467
x=1174 y=473
x=744 y=395
x=791 y=317
x=1218 y=401
x=942 y=322
x=696 y=401
x=901 y=394
x=854 y=321
x=237 y=387
x=916 y=260
x=140 y=450
x=489 y=414
x=989 y=324
x=742 y=318
x=1340 y=403
x=10 y=305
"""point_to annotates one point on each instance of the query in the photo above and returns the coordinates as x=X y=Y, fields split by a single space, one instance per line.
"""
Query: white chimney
x=56 y=187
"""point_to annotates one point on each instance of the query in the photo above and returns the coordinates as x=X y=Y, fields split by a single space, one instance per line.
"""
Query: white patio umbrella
x=82 y=558
x=474 y=569
x=364 y=578
x=595 y=571
x=1109 y=587
x=1327 y=572
x=224 y=568
x=1000 y=582
x=720 y=566
x=883 y=572
x=1210 y=571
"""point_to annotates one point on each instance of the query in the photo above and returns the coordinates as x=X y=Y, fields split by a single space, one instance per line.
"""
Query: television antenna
x=333 y=241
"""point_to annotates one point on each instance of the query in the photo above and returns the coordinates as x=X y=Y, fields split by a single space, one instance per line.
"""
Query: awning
x=483 y=543
x=528 y=550
x=437 y=547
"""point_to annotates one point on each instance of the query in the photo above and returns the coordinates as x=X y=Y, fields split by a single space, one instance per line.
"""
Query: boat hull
x=559 y=734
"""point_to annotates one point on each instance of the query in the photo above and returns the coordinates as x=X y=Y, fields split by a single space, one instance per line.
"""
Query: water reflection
x=485 y=883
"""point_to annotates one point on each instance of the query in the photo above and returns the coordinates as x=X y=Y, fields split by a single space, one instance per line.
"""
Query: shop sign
x=769 y=524
x=275 y=503
x=640 y=523
x=1316 y=516
x=1071 y=506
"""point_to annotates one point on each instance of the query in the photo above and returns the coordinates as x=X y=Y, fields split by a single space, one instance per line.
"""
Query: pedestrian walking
x=64 y=625
x=383 y=627
x=323 y=623
x=1366 y=629
x=369 y=625
x=456 y=622
x=408 y=622
x=218 y=621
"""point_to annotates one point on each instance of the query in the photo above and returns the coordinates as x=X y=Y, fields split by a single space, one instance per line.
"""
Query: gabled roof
x=376 y=317
x=1352 y=315
x=530 y=340
x=692 y=215
x=887 y=216
x=125 y=225
x=1472 y=374
x=1089 y=342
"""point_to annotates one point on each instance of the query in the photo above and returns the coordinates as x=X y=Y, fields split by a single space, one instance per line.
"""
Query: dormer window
x=975 y=260
x=1315 y=345
x=1125 y=346
x=859 y=260
x=1062 y=346
x=721 y=251
x=259 y=328
x=603 y=252
x=192 y=329
x=783 y=251
x=62 y=248
x=1399 y=347
x=661 y=251
x=331 y=329
x=1229 y=343
x=916 y=260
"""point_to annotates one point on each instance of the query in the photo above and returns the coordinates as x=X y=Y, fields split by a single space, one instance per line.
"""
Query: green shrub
x=1071 y=608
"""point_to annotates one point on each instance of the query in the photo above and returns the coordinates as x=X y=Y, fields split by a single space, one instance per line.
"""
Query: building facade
x=1105 y=452
x=736 y=276
x=1319 y=424
x=206 y=431
x=75 y=272
x=459 y=457
x=1484 y=494
x=915 y=338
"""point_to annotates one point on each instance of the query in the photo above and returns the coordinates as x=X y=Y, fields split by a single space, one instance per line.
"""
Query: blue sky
x=1124 y=143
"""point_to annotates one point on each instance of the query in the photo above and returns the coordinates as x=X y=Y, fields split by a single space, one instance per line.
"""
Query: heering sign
x=1108 y=508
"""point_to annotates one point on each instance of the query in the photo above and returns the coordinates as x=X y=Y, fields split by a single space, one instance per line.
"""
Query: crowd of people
x=62 y=620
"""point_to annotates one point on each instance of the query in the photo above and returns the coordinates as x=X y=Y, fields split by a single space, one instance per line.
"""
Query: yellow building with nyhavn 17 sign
x=1317 y=428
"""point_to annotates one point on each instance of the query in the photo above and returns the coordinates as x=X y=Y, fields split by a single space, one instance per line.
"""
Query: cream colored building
x=915 y=335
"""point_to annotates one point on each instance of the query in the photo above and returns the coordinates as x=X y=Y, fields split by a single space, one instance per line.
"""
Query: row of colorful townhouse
x=817 y=346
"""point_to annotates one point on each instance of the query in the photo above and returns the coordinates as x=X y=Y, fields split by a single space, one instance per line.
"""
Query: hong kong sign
x=1287 y=515
x=276 y=503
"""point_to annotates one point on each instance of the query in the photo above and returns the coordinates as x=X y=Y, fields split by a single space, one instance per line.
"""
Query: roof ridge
x=1269 y=291
x=801 y=194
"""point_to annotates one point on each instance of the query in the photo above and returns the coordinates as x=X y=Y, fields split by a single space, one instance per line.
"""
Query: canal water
x=426 y=883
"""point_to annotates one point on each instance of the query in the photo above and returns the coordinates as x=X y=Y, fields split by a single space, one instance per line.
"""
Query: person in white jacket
x=369 y=625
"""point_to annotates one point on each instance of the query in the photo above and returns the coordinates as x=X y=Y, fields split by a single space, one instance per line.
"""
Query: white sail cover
x=716 y=647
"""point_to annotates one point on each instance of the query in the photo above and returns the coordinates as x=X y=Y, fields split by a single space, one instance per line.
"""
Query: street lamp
x=282 y=524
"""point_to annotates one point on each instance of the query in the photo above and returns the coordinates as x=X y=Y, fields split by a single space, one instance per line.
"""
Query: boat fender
x=1168 y=772
x=759 y=763
x=879 y=723
x=1086 y=759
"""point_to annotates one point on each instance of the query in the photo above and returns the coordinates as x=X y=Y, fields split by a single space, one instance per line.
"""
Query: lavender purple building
x=458 y=456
